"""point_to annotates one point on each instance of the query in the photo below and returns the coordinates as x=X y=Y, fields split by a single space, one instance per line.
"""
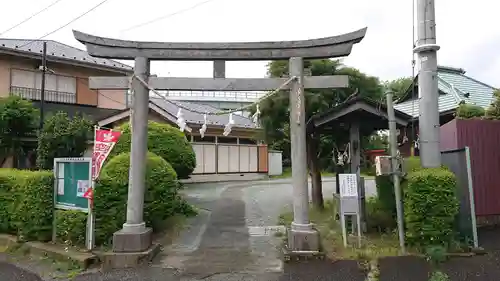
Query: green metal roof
x=454 y=87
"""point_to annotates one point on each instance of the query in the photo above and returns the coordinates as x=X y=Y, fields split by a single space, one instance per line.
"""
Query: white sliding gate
x=226 y=158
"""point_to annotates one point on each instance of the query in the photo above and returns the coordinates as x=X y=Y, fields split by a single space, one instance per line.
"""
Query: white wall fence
x=229 y=158
x=275 y=163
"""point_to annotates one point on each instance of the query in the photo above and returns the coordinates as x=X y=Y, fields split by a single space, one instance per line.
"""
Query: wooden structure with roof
x=359 y=116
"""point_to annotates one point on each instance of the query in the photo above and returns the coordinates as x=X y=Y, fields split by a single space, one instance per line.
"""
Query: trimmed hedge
x=165 y=141
x=431 y=206
x=161 y=199
x=71 y=227
x=26 y=203
x=7 y=200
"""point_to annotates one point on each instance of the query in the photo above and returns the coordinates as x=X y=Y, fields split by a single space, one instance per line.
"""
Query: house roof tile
x=454 y=87
x=59 y=51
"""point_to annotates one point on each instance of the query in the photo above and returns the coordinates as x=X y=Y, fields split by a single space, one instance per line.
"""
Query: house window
x=27 y=84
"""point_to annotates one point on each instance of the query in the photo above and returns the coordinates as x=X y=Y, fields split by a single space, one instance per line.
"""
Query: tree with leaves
x=493 y=111
x=18 y=119
x=398 y=86
x=62 y=136
x=275 y=114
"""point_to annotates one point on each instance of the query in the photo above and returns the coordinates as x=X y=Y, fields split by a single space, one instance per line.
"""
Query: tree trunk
x=315 y=172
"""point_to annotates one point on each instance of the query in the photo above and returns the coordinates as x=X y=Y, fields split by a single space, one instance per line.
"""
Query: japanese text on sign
x=104 y=141
x=348 y=185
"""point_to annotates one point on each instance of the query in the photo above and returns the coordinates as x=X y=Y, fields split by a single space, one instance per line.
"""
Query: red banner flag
x=104 y=141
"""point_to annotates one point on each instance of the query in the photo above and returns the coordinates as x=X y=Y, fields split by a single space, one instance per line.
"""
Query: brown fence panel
x=483 y=139
x=263 y=159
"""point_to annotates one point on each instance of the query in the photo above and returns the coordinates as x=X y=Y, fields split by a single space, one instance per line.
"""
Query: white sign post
x=349 y=203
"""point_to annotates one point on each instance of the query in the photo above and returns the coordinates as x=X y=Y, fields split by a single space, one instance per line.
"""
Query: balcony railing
x=213 y=96
x=35 y=94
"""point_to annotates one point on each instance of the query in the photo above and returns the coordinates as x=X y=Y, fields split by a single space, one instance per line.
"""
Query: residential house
x=239 y=152
x=67 y=90
x=454 y=88
x=66 y=81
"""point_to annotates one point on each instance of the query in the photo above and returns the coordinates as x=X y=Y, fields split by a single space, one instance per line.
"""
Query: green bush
x=469 y=111
x=431 y=206
x=161 y=199
x=377 y=217
x=18 y=118
x=385 y=187
x=28 y=210
x=165 y=141
x=493 y=111
x=385 y=195
x=62 y=136
x=71 y=227
x=7 y=200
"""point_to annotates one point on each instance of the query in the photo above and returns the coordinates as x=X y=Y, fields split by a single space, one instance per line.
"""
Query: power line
x=68 y=23
x=167 y=16
x=30 y=17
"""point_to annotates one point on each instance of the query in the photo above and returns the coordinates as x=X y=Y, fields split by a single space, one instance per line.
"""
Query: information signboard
x=348 y=185
x=72 y=180
x=349 y=204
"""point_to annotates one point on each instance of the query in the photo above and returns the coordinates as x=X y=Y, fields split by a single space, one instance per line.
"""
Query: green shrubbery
x=62 y=136
x=165 y=141
x=71 y=227
x=7 y=201
x=161 y=199
x=385 y=189
x=469 y=111
x=431 y=206
x=26 y=203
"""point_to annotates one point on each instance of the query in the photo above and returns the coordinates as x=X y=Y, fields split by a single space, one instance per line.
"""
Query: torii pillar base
x=302 y=245
x=128 y=242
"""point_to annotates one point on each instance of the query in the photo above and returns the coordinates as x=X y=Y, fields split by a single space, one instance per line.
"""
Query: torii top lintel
x=328 y=47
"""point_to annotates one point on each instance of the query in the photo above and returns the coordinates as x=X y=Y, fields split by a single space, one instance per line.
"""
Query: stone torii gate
x=135 y=236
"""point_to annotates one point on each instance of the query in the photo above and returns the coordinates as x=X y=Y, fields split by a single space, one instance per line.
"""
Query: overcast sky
x=466 y=30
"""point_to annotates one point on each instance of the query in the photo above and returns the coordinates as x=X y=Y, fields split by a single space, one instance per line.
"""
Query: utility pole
x=428 y=120
x=42 y=87
x=393 y=146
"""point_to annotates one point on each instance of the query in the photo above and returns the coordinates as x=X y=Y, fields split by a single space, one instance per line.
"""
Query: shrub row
x=26 y=203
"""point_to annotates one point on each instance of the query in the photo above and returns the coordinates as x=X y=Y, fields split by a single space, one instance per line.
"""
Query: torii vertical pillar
x=135 y=236
x=301 y=236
